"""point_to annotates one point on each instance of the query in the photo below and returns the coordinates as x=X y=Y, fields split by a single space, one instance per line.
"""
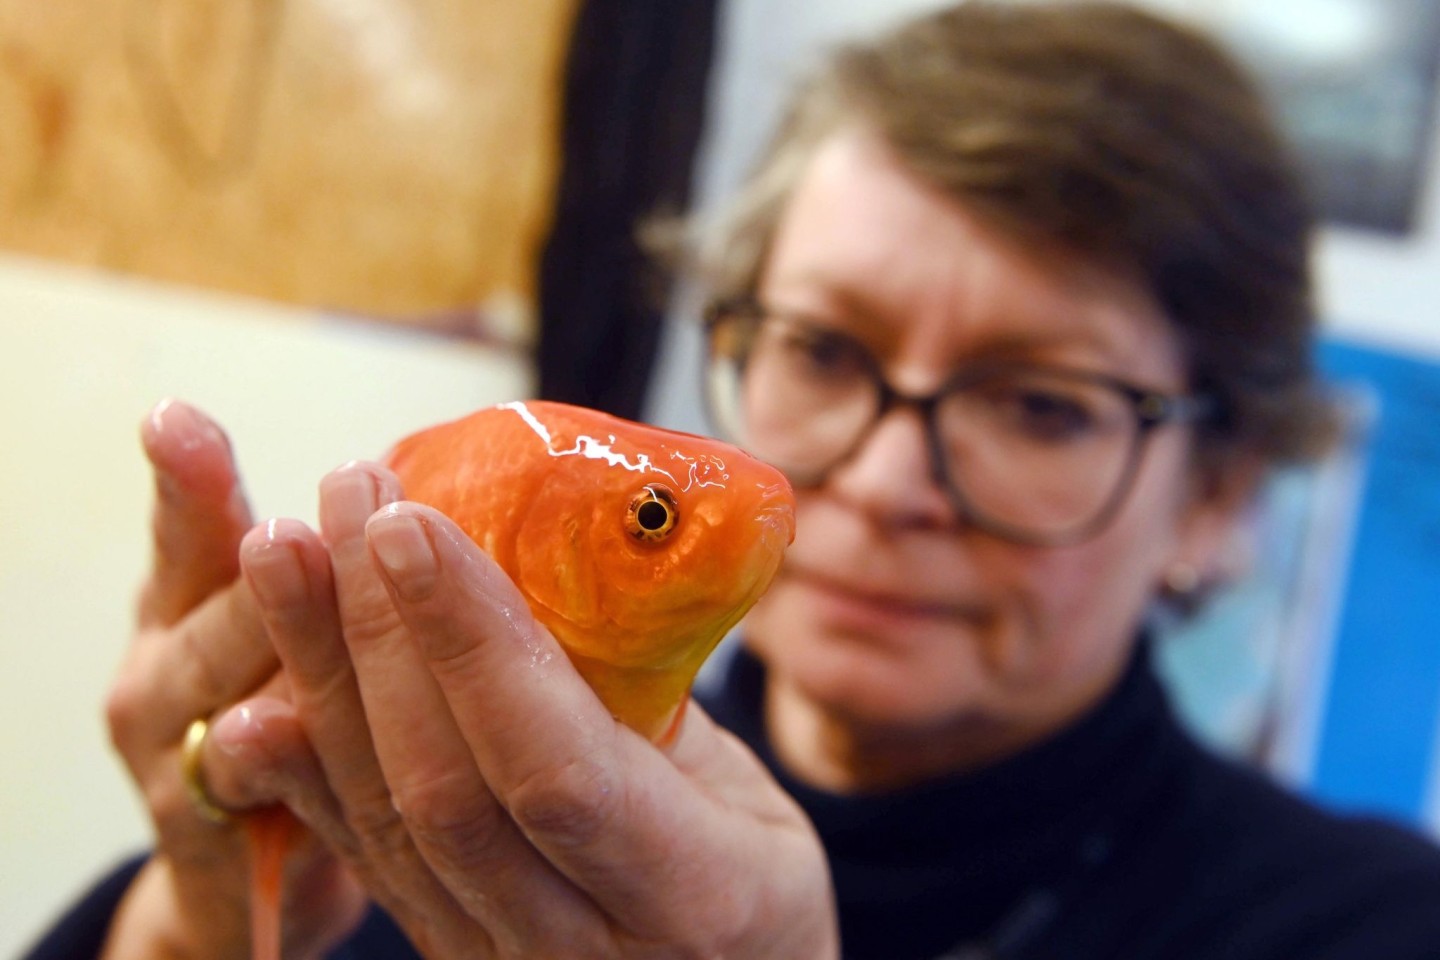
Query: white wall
x=1386 y=291
x=82 y=358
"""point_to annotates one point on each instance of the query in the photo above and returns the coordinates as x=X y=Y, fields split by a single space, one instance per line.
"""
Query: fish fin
x=667 y=738
x=272 y=833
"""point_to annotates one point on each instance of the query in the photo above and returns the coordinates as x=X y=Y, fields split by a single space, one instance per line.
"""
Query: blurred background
x=329 y=222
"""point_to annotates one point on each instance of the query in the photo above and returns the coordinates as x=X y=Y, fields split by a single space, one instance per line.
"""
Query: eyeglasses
x=1033 y=454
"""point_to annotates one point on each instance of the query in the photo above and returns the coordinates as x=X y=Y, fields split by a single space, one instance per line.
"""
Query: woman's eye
x=1046 y=415
x=818 y=353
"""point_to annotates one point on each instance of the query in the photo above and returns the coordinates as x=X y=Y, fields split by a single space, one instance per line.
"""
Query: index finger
x=199 y=516
x=496 y=663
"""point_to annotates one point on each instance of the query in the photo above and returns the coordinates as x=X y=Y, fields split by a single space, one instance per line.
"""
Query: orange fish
x=637 y=547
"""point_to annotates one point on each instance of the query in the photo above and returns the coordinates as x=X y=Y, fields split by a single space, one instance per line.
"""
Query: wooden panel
x=391 y=157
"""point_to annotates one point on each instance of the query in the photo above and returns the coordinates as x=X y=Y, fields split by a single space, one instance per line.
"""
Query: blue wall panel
x=1376 y=742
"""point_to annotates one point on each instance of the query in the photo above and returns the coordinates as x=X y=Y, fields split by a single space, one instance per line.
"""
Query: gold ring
x=194 y=778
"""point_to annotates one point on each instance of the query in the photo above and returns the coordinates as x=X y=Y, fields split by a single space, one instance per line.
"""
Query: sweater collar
x=979 y=841
x=1102 y=746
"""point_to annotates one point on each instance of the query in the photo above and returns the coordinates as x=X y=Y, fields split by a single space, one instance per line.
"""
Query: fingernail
x=158 y=414
x=198 y=430
x=234 y=730
x=350 y=490
x=275 y=571
x=237 y=734
x=403 y=546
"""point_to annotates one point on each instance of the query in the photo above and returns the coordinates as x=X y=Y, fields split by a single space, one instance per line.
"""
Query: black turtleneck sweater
x=1120 y=838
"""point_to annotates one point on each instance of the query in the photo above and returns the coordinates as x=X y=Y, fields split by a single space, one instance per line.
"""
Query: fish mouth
x=777 y=519
x=777 y=514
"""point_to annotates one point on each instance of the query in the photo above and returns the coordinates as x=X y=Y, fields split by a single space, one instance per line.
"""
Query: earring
x=1182 y=578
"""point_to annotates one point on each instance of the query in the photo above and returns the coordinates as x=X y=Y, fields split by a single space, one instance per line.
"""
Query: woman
x=1020 y=300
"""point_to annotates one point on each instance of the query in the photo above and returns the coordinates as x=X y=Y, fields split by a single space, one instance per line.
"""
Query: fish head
x=647 y=547
x=638 y=548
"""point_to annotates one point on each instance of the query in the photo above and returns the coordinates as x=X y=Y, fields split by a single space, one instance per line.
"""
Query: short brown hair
x=1110 y=131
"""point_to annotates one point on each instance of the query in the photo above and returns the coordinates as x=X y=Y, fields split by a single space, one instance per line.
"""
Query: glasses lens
x=790 y=392
x=1033 y=454
x=1041 y=452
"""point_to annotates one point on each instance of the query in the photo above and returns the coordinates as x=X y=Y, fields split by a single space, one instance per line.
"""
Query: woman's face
x=892 y=611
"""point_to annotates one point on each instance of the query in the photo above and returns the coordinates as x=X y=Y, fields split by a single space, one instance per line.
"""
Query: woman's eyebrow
x=812 y=294
x=1011 y=342
x=1002 y=334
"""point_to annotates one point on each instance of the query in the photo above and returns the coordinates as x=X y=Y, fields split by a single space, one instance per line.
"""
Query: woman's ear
x=1211 y=548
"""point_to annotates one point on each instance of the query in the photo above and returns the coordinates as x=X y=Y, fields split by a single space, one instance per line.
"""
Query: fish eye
x=653 y=514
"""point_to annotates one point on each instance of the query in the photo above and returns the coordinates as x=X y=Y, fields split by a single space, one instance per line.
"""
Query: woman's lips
x=851 y=603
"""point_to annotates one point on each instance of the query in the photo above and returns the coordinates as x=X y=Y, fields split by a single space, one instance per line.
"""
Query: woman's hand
x=478 y=787
x=201 y=646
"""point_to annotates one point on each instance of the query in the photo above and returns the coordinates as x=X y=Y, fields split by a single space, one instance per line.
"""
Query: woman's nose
x=891 y=476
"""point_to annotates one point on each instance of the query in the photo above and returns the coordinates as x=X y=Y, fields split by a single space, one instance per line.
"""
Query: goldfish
x=638 y=548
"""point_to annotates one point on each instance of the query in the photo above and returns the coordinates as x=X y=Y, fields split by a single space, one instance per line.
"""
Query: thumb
x=199 y=516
